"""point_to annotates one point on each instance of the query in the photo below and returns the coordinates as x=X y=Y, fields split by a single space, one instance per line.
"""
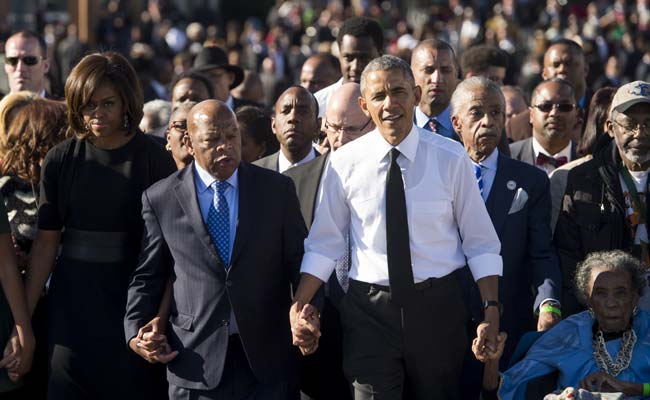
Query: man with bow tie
x=518 y=201
x=554 y=116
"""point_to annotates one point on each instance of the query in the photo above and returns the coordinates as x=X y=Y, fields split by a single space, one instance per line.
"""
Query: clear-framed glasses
x=633 y=126
x=348 y=129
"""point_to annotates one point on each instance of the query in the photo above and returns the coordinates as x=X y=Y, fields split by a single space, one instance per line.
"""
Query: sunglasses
x=27 y=60
x=547 y=107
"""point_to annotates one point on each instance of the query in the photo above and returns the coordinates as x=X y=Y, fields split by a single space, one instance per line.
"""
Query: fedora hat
x=214 y=57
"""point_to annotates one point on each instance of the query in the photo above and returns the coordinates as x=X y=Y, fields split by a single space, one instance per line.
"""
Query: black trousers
x=238 y=382
x=412 y=352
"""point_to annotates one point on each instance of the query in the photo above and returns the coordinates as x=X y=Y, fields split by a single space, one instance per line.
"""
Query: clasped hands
x=18 y=354
x=305 y=327
x=489 y=343
x=151 y=344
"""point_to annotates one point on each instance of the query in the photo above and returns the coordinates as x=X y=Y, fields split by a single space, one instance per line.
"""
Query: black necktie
x=398 y=250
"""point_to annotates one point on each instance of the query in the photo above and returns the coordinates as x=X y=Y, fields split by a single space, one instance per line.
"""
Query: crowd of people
x=450 y=205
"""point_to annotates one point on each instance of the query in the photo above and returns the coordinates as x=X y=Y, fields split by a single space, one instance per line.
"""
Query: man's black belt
x=425 y=284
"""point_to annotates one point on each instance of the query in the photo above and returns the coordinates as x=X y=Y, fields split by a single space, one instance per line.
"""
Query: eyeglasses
x=561 y=107
x=27 y=60
x=180 y=126
x=349 y=129
x=633 y=126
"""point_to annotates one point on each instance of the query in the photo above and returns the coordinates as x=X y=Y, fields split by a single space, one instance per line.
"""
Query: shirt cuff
x=550 y=299
x=317 y=265
x=485 y=265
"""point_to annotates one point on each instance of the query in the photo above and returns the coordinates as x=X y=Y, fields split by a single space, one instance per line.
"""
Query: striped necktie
x=479 y=177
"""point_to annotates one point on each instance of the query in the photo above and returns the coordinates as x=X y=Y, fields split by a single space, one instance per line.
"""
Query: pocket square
x=518 y=203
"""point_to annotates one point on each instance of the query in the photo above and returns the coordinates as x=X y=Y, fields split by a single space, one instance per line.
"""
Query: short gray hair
x=468 y=86
x=387 y=63
x=161 y=110
x=613 y=260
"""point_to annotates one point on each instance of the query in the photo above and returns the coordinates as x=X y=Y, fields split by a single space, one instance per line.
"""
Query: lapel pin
x=512 y=185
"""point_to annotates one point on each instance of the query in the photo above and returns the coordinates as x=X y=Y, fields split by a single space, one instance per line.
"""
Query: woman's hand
x=603 y=382
x=18 y=354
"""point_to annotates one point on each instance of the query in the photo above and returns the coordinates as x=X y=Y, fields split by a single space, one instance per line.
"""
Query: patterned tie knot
x=221 y=186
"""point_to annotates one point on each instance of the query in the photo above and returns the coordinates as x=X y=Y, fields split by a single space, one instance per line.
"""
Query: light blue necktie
x=219 y=222
x=479 y=177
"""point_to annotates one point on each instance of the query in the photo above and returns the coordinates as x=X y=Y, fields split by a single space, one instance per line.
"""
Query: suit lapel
x=500 y=197
x=247 y=210
x=530 y=153
x=186 y=196
x=309 y=188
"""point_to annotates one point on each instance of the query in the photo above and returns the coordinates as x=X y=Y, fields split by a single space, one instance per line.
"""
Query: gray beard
x=637 y=158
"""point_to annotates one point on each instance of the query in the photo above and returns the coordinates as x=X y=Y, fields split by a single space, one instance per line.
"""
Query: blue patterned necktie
x=479 y=177
x=219 y=222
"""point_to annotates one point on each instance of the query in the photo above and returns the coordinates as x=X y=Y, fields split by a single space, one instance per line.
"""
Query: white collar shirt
x=284 y=163
x=443 y=206
x=323 y=96
x=537 y=148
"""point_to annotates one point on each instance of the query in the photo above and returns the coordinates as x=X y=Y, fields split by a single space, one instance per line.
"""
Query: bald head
x=319 y=71
x=213 y=138
x=344 y=118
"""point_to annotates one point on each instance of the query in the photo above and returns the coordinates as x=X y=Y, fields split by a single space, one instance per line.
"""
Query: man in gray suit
x=295 y=125
x=322 y=374
x=232 y=261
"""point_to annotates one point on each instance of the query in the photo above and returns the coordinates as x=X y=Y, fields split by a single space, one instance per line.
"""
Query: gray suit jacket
x=265 y=264
x=523 y=151
x=271 y=162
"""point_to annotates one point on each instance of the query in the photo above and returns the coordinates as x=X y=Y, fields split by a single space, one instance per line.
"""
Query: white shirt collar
x=565 y=152
x=230 y=102
x=444 y=118
x=284 y=163
x=407 y=147
x=206 y=179
x=491 y=161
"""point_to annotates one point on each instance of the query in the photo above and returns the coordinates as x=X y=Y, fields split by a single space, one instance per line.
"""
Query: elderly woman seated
x=604 y=349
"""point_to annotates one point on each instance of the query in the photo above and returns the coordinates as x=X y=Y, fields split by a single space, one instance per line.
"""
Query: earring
x=591 y=313
x=125 y=125
x=168 y=147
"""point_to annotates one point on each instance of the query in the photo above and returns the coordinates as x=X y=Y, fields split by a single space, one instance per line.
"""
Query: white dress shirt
x=443 y=205
x=323 y=96
x=537 y=148
x=284 y=163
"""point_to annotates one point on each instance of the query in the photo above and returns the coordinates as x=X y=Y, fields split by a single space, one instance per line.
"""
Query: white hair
x=160 y=110
x=467 y=87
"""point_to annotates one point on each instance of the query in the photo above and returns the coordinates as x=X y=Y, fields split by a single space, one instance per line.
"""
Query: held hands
x=151 y=344
x=17 y=356
x=486 y=345
x=305 y=327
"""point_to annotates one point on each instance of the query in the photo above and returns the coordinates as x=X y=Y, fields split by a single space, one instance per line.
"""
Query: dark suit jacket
x=271 y=162
x=523 y=151
x=265 y=263
x=307 y=179
x=531 y=271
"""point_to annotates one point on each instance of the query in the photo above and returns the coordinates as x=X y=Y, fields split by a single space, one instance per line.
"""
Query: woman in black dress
x=90 y=205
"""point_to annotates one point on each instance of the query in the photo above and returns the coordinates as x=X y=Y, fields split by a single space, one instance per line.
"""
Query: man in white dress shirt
x=360 y=39
x=407 y=198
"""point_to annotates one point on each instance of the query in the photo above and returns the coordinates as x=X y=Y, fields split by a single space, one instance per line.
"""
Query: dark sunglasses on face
x=28 y=60
x=563 y=107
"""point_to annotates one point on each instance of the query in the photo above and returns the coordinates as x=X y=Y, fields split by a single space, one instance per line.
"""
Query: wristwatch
x=493 y=303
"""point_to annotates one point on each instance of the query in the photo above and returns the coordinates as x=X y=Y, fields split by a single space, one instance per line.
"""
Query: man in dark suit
x=295 y=125
x=322 y=374
x=213 y=62
x=26 y=63
x=232 y=260
x=518 y=201
x=555 y=116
